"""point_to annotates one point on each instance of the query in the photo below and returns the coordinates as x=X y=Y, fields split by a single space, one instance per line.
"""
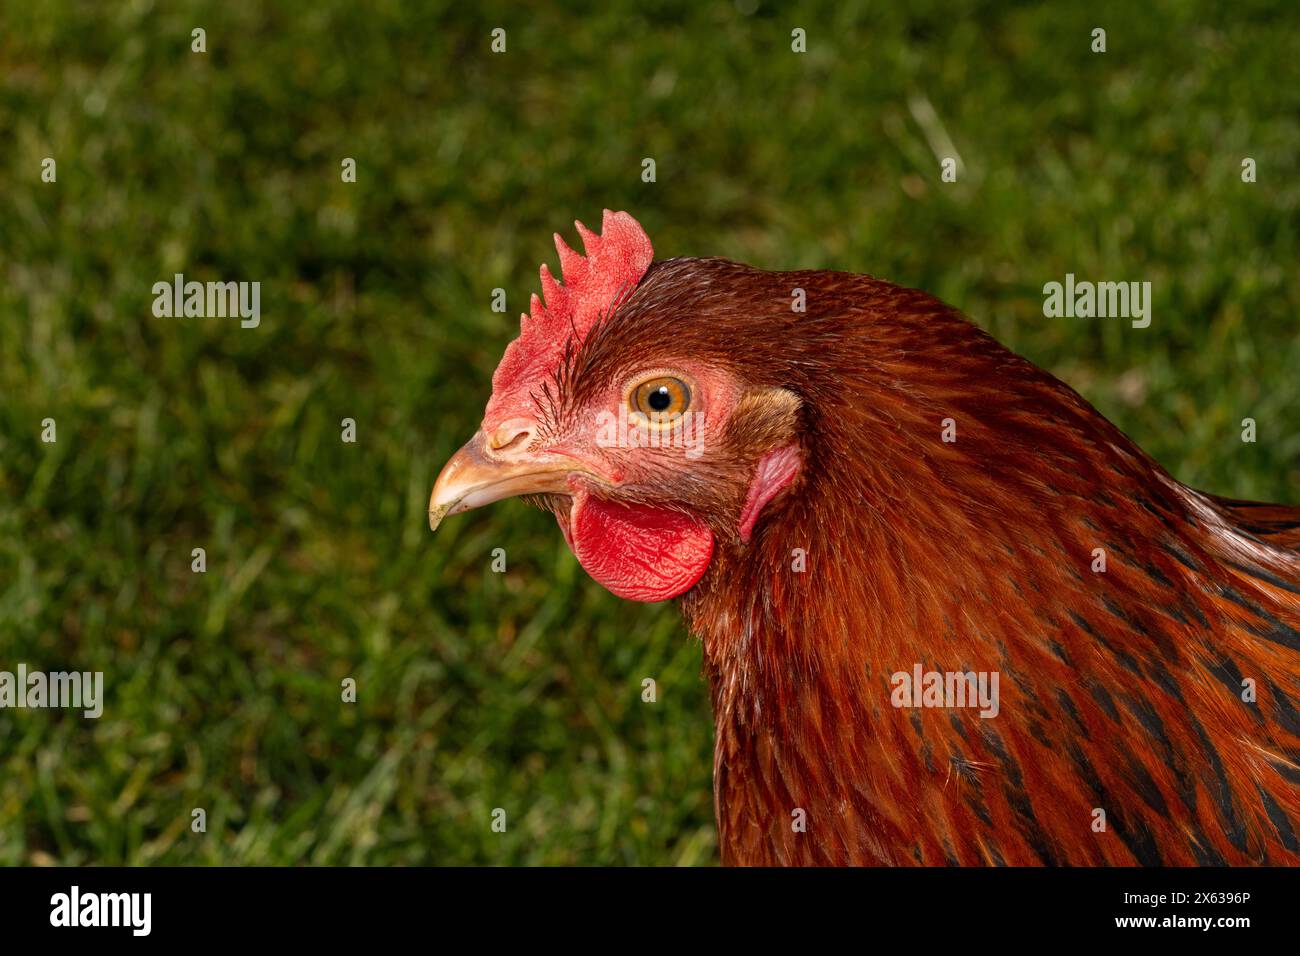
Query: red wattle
x=636 y=551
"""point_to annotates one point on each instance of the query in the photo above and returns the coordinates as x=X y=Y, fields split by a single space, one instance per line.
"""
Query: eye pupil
x=660 y=398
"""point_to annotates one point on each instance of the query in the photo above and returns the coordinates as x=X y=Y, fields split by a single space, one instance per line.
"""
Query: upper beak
x=488 y=469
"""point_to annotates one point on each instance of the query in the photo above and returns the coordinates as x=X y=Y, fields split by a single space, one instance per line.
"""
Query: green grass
x=522 y=691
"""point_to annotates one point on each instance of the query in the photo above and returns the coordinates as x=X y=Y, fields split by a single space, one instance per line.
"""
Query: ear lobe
x=768 y=420
x=775 y=471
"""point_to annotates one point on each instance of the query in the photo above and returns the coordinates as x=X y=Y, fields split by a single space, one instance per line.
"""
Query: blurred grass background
x=522 y=690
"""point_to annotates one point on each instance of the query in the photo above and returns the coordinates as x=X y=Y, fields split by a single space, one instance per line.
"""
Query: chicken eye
x=661 y=398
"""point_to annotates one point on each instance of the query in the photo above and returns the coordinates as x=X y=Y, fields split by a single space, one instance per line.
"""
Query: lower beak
x=475 y=477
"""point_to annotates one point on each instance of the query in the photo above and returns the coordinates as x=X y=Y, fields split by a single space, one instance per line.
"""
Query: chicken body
x=1147 y=711
x=954 y=509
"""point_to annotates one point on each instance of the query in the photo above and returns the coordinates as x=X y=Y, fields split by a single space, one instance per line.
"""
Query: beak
x=478 y=475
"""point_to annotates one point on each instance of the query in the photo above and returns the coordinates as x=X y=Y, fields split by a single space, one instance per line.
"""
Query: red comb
x=614 y=263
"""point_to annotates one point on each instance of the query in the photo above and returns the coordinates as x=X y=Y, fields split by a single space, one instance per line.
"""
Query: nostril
x=514 y=443
x=514 y=435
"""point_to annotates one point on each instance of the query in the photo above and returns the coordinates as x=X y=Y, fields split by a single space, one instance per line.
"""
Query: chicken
x=869 y=506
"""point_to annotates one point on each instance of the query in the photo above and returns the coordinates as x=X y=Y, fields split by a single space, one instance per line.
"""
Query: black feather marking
x=1237 y=598
x=1160 y=639
x=948 y=855
x=1083 y=624
x=1037 y=731
x=1067 y=704
x=1265 y=576
x=1167 y=683
x=1289 y=772
x=1201 y=619
x=1280 y=820
x=1286 y=711
x=995 y=744
x=1138 y=840
x=1148 y=718
x=1034 y=834
x=1276 y=631
x=1145 y=786
x=1124 y=657
x=1156 y=573
x=958 y=726
x=1182 y=558
x=1234 y=828
x=1280 y=633
x=1225 y=669
x=1100 y=695
x=1206 y=854
x=1160 y=515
